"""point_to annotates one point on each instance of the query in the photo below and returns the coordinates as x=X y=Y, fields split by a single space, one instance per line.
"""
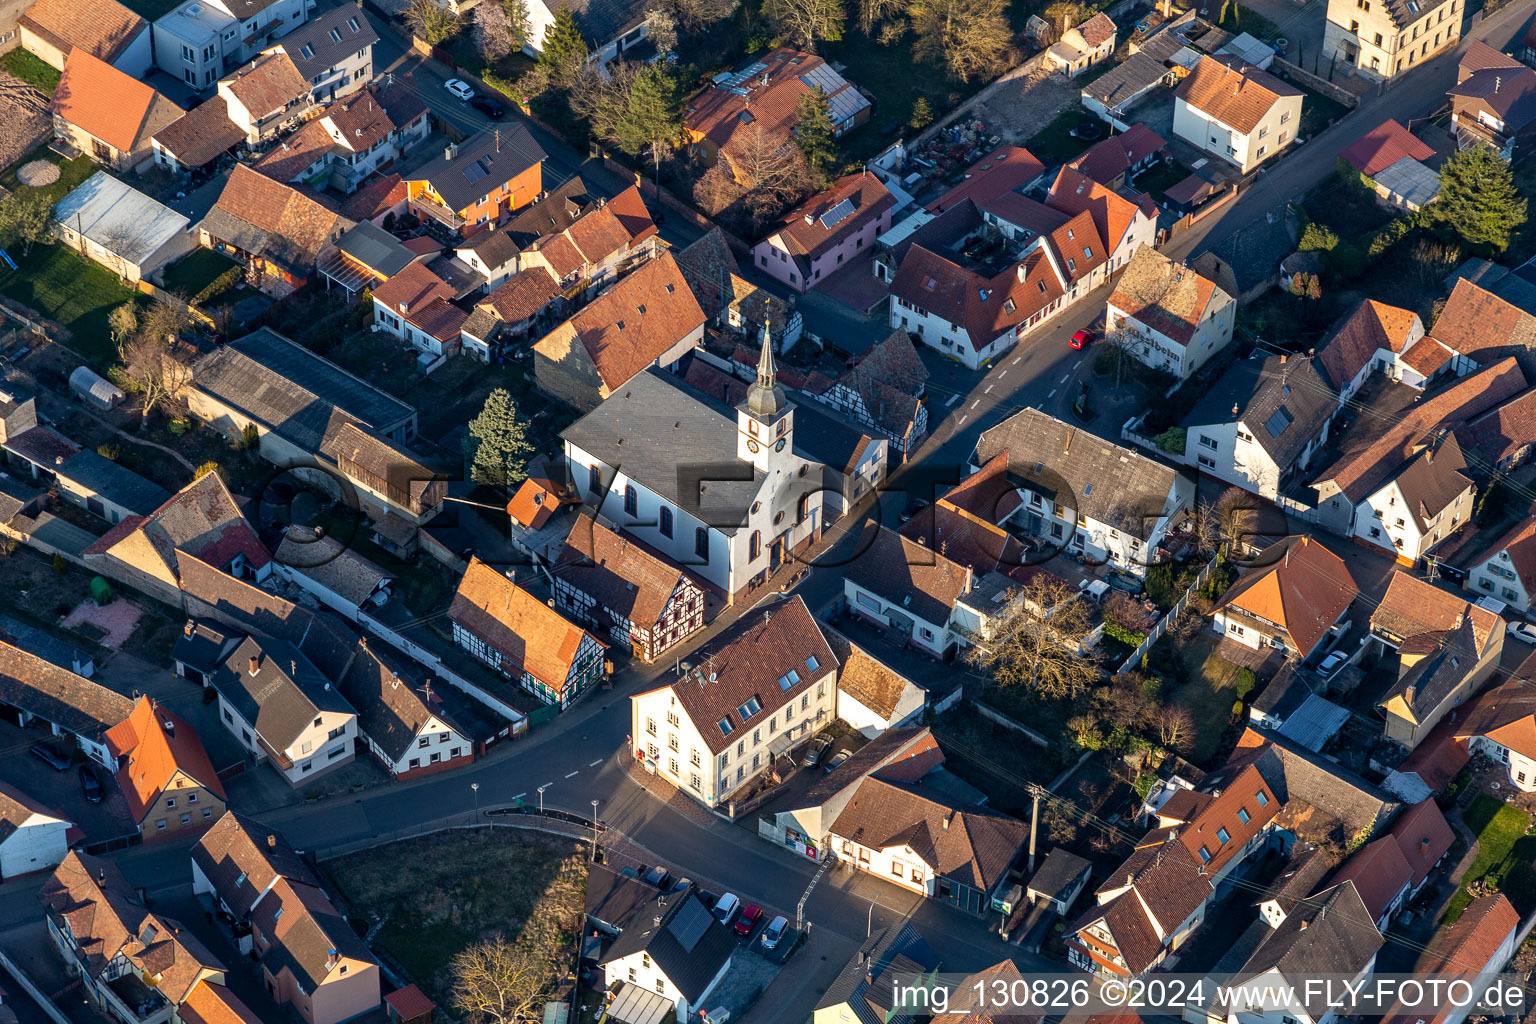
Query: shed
x=409 y=1005
x=94 y=388
x=1314 y=723
x=1059 y=880
x=121 y=228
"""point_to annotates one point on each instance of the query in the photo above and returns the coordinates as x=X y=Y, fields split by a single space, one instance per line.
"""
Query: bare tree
x=806 y=22
x=123 y=321
x=498 y=981
x=716 y=191
x=1038 y=642
x=167 y=316
x=431 y=22
x=1129 y=612
x=1175 y=726
x=600 y=96
x=1224 y=525
x=873 y=12
x=1062 y=15
x=493 y=34
x=661 y=29
x=969 y=38
x=694 y=15
x=152 y=372
x=116 y=241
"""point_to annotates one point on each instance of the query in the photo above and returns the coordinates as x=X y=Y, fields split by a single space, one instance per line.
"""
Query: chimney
x=188 y=628
x=101 y=876
x=170 y=727
x=1282 y=358
x=947 y=819
x=810 y=218
x=271 y=841
x=1022 y=273
x=1303 y=925
x=450 y=151
x=255 y=665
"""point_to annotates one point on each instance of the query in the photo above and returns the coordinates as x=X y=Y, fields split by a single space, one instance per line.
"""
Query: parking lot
x=101 y=823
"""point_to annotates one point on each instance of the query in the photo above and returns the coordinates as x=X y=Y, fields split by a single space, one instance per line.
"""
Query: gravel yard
x=1021 y=105
x=24 y=119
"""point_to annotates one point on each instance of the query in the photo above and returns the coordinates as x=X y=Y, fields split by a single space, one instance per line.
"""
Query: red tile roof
x=1380 y=872
x=985 y=307
x=1412 y=606
x=1372 y=326
x=157 y=745
x=1238 y=97
x=1519 y=543
x=1482 y=326
x=1304 y=588
x=1003 y=170
x=413 y=288
x=1423 y=836
x=803 y=231
x=524 y=629
x=1107 y=160
x=114 y=107
x=1503 y=432
x=1383 y=146
x=524 y=296
x=1168 y=297
x=1073 y=192
x=267 y=84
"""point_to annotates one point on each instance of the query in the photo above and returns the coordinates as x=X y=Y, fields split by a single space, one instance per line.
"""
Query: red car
x=1082 y=339
x=750 y=915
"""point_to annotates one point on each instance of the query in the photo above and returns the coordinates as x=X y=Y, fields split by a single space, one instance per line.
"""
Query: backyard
x=441 y=893
x=65 y=287
x=1504 y=855
x=41 y=76
x=197 y=270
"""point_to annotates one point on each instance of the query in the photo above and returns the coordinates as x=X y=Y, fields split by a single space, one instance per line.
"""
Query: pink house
x=826 y=231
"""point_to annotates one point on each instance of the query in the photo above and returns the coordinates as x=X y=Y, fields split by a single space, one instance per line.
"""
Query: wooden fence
x=1163 y=623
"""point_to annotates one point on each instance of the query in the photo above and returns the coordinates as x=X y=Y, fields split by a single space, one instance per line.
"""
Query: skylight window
x=352 y=24
x=789 y=679
x=1261 y=798
x=811 y=664
x=749 y=709
x=307 y=52
x=1223 y=836
x=1242 y=815
x=725 y=726
x=1205 y=855
x=335 y=36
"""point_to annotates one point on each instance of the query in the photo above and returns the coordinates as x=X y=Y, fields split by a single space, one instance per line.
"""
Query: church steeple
x=765 y=400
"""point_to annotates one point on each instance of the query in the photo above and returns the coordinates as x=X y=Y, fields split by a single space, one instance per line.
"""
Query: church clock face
x=752 y=447
x=778 y=447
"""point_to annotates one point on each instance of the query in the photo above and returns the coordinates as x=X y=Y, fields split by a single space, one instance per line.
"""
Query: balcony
x=429 y=207
x=135 y=1002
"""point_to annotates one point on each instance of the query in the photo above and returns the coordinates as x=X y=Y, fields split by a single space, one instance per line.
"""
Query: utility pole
x=1036 y=791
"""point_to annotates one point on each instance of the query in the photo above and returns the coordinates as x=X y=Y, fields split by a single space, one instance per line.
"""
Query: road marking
x=573 y=773
x=986 y=392
x=975 y=403
x=1002 y=375
x=952 y=401
x=594 y=764
x=1065 y=377
x=1052 y=394
x=1015 y=360
x=1078 y=363
x=961 y=421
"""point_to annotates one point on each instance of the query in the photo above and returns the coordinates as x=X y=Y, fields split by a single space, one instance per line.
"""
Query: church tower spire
x=766 y=399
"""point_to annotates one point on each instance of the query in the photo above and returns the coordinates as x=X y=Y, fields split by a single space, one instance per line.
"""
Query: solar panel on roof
x=823 y=78
x=690 y=924
x=837 y=214
x=1277 y=423
x=741 y=77
x=845 y=105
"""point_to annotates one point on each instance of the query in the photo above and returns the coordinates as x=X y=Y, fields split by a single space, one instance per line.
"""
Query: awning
x=636 y=1005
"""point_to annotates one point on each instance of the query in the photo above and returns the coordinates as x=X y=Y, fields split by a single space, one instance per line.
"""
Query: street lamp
x=594 y=831
x=541 y=799
x=476 y=787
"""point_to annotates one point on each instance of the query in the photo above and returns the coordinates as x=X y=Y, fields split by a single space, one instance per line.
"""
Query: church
x=727 y=493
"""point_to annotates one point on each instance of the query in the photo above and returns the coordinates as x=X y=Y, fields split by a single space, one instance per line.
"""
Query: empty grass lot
x=36 y=73
x=196 y=271
x=71 y=172
x=62 y=285
x=442 y=892
x=1504 y=855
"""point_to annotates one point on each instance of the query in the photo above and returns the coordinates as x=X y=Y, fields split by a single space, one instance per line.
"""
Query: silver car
x=774 y=932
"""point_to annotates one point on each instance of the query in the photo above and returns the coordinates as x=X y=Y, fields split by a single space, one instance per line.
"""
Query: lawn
x=1159 y=178
x=1504 y=855
x=1317 y=111
x=31 y=70
x=71 y=172
x=440 y=893
x=1238 y=18
x=196 y=271
x=64 y=286
x=1055 y=143
x=1208 y=694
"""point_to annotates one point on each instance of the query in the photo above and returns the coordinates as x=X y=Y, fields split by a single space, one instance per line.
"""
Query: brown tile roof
x=1366 y=466
x=114 y=107
x=921 y=580
x=972 y=845
x=209 y=1003
x=275 y=220
x=1163 y=295
x=890 y=378
x=629 y=207
x=1412 y=606
x=1424 y=837
x=295 y=154
x=1107 y=160
x=871 y=682
x=102 y=28
x=1482 y=326
x=57 y=695
x=807 y=241
x=16 y=808
x=1072 y=193
x=108 y=920
x=305 y=928
x=374 y=198
x=1303 y=587
x=1371 y=326
x=598 y=235
x=412 y=288
x=267 y=84
x=1383 y=146
x=1236 y=799
x=1469 y=945
x=438 y=318
x=1502 y=432
x=622 y=576
x=409 y=1002
x=241 y=858
x=1097 y=29
x=1237 y=98
x=393 y=705
x=1482 y=57
x=524 y=629
x=562 y=255
x=360 y=121
x=631 y=325
x=1002 y=170
x=523 y=297
x=201 y=134
x=154 y=745
x=718 y=113
x=201 y=520
x=985 y=307
x=387 y=465
x=747 y=661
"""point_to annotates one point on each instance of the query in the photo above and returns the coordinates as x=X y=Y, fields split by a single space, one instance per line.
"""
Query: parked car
x=658 y=876
x=1082 y=339
x=815 y=751
x=1332 y=664
x=90 y=785
x=489 y=107
x=708 y=898
x=725 y=908
x=912 y=509
x=774 y=932
x=459 y=89
x=750 y=915
x=1523 y=631
x=51 y=755
x=838 y=759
